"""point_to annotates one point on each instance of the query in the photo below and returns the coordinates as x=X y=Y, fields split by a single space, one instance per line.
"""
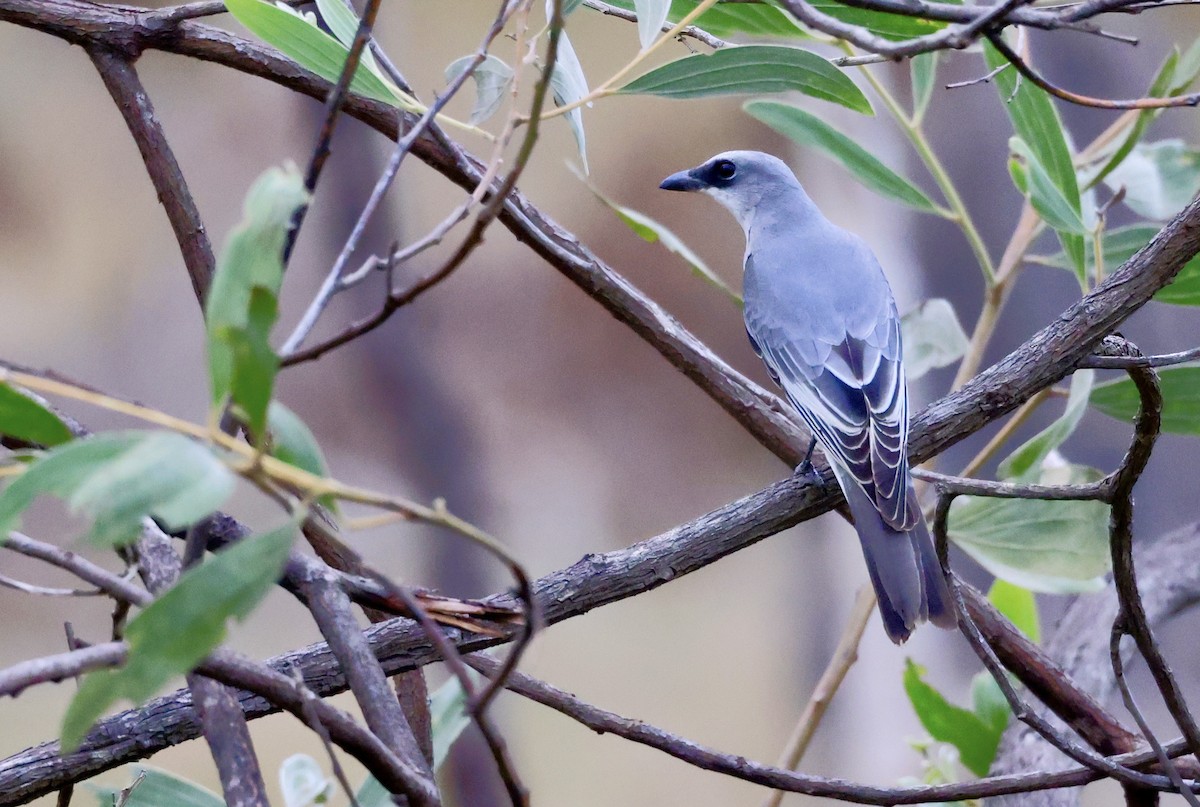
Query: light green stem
x=916 y=136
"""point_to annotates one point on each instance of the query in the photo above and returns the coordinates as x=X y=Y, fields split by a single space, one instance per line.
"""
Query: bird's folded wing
x=852 y=395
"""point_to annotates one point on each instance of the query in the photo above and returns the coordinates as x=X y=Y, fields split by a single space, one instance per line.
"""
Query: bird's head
x=739 y=180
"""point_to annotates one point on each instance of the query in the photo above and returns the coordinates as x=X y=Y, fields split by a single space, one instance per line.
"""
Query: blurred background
x=535 y=414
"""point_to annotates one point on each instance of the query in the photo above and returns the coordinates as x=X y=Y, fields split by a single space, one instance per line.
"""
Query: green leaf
x=1056 y=547
x=988 y=703
x=1045 y=196
x=923 y=67
x=1123 y=243
x=651 y=14
x=302 y=781
x=117 y=479
x=241 y=305
x=1026 y=462
x=651 y=231
x=1019 y=606
x=975 y=740
x=448 y=715
x=176 y=631
x=889 y=26
x=373 y=794
x=932 y=337
x=1181 y=399
x=810 y=131
x=492 y=80
x=568 y=84
x=293 y=442
x=342 y=20
x=726 y=20
x=1036 y=122
x=151 y=787
x=25 y=418
x=751 y=69
x=311 y=47
x=1159 y=178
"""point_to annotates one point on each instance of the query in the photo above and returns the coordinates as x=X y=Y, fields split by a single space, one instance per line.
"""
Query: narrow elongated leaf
x=1037 y=123
x=651 y=231
x=810 y=131
x=1159 y=178
x=1045 y=196
x=182 y=626
x=302 y=781
x=492 y=81
x=932 y=337
x=293 y=442
x=151 y=787
x=311 y=47
x=569 y=85
x=924 y=78
x=1025 y=462
x=1181 y=399
x=975 y=739
x=651 y=14
x=889 y=26
x=241 y=307
x=117 y=479
x=751 y=69
x=1047 y=546
x=448 y=716
x=735 y=20
x=1019 y=606
x=988 y=703
x=342 y=20
x=1120 y=244
x=23 y=417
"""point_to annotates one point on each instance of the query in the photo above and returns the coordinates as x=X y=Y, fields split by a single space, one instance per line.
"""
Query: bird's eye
x=725 y=169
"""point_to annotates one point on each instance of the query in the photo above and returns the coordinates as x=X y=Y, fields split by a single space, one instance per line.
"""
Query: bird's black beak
x=682 y=181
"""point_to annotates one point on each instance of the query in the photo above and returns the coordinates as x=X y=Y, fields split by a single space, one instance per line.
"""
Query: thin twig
x=840 y=662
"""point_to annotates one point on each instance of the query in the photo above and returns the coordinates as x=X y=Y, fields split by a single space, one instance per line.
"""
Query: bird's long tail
x=904 y=569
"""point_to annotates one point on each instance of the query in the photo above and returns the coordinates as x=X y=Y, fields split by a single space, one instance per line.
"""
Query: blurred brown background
x=511 y=394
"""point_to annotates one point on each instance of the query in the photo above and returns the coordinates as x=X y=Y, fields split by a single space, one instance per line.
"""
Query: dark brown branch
x=1023 y=67
x=121 y=79
x=333 y=108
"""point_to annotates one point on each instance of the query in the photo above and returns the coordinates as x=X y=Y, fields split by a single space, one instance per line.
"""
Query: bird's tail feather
x=904 y=569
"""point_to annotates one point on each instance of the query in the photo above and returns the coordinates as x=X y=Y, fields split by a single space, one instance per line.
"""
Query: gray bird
x=821 y=316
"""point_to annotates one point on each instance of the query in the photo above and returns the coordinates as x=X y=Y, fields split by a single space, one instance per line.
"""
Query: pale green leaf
x=302 y=781
x=988 y=702
x=569 y=85
x=888 y=26
x=449 y=718
x=651 y=14
x=923 y=68
x=342 y=20
x=751 y=69
x=176 y=631
x=1056 y=547
x=1181 y=399
x=1025 y=462
x=811 y=132
x=492 y=77
x=933 y=337
x=735 y=20
x=151 y=787
x=1161 y=86
x=1159 y=178
x=1045 y=196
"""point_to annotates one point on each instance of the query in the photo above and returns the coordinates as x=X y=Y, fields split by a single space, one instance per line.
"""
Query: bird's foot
x=805 y=470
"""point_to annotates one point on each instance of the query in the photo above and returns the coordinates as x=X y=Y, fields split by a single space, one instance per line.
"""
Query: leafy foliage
x=933 y=337
x=242 y=303
x=755 y=20
x=751 y=69
x=23 y=417
x=810 y=131
x=119 y=478
x=1181 y=399
x=493 y=78
x=975 y=736
x=182 y=626
x=155 y=788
